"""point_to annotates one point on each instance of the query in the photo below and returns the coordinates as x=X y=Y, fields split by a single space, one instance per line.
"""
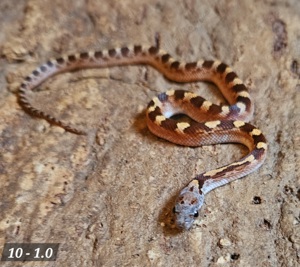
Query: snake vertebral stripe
x=213 y=124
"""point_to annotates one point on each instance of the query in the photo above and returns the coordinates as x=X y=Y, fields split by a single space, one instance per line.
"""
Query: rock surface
x=107 y=198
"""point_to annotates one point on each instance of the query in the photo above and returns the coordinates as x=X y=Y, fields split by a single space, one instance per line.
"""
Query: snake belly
x=212 y=124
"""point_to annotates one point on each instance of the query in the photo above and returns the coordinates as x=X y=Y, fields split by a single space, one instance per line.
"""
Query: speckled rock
x=107 y=197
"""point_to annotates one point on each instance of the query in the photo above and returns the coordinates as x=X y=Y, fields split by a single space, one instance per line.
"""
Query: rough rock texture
x=107 y=198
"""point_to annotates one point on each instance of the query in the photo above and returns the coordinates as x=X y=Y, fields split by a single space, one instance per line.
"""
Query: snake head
x=189 y=201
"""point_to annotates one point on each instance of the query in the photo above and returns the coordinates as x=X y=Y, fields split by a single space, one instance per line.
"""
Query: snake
x=210 y=123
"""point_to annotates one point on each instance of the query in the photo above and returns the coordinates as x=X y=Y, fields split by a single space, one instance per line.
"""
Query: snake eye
x=196 y=214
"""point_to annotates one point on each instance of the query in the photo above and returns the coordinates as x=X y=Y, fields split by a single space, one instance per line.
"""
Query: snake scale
x=212 y=124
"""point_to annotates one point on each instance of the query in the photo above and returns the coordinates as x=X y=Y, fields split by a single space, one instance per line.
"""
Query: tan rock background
x=107 y=197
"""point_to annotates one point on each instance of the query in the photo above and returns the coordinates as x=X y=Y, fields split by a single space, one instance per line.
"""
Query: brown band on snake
x=230 y=77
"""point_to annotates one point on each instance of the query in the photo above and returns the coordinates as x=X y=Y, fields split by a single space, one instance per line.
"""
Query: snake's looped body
x=213 y=123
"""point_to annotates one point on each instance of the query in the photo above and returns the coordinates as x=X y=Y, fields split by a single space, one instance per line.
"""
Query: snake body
x=213 y=124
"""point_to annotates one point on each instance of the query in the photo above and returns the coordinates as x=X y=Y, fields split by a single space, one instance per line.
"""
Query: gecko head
x=187 y=205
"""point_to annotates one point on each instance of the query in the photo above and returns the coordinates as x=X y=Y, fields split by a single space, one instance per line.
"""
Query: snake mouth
x=185 y=225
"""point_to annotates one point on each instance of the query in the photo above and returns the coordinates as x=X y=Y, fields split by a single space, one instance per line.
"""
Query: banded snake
x=212 y=124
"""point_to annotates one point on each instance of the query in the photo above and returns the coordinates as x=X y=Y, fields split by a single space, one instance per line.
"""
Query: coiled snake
x=213 y=124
